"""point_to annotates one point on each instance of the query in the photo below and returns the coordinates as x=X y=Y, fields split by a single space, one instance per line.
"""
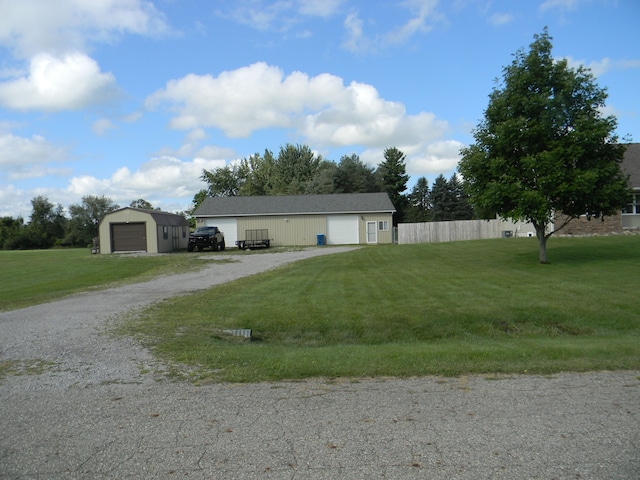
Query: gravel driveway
x=84 y=404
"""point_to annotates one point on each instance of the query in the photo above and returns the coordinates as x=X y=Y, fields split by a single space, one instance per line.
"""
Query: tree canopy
x=545 y=146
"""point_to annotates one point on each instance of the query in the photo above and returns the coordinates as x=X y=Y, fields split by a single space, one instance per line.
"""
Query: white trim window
x=632 y=208
x=383 y=225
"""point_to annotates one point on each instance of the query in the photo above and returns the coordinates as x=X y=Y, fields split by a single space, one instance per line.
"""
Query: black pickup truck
x=206 y=237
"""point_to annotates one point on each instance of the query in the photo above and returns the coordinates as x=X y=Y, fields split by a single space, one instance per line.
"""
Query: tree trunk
x=542 y=240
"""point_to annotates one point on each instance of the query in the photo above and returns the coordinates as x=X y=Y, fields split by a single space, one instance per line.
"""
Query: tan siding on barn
x=293 y=230
x=384 y=236
x=127 y=216
x=302 y=230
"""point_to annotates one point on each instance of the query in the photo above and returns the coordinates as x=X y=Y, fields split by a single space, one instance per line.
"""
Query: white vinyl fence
x=431 y=232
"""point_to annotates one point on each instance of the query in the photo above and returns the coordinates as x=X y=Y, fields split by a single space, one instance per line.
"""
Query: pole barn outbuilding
x=291 y=220
x=137 y=230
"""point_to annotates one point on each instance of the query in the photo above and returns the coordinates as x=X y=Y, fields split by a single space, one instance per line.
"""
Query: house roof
x=161 y=218
x=631 y=164
x=295 y=205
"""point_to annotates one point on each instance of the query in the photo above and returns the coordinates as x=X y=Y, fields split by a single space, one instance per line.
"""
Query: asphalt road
x=84 y=404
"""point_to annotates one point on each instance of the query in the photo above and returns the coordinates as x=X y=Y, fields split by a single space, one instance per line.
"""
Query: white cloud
x=423 y=17
x=29 y=27
x=22 y=152
x=280 y=15
x=319 y=8
x=321 y=108
x=361 y=117
x=499 y=19
x=101 y=126
x=600 y=67
x=434 y=158
x=13 y=202
x=355 y=39
x=243 y=100
x=161 y=177
x=70 y=82
x=560 y=4
x=423 y=13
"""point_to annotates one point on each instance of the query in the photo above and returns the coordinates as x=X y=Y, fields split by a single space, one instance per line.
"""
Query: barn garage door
x=228 y=226
x=342 y=230
x=129 y=237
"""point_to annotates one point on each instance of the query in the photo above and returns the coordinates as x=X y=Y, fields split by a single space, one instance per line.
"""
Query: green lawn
x=37 y=276
x=405 y=310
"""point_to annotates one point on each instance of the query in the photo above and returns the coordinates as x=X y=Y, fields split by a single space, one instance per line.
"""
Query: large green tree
x=46 y=225
x=545 y=145
x=85 y=217
x=295 y=167
x=352 y=175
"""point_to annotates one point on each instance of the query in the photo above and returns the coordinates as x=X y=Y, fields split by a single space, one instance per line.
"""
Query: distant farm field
x=405 y=310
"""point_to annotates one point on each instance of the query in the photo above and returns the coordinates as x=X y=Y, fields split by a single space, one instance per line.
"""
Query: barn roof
x=631 y=164
x=161 y=218
x=295 y=205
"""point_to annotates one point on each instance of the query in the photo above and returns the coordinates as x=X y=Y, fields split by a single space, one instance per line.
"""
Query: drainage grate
x=242 y=332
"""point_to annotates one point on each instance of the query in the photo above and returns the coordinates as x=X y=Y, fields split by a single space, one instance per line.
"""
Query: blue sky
x=133 y=99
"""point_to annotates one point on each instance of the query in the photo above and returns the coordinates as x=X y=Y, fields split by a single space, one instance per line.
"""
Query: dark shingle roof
x=295 y=204
x=161 y=218
x=631 y=164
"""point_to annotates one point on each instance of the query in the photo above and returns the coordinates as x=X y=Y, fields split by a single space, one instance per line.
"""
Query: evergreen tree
x=393 y=176
x=419 y=200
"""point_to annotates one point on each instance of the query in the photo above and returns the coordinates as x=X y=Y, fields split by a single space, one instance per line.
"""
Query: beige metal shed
x=137 y=230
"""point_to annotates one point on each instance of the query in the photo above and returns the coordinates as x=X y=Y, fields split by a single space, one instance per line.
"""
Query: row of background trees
x=49 y=226
x=295 y=170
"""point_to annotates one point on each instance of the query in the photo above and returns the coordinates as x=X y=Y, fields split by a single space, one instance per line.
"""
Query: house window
x=165 y=232
x=383 y=225
x=633 y=207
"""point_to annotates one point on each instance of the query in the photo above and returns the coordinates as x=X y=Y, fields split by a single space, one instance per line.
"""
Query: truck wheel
x=222 y=245
x=190 y=248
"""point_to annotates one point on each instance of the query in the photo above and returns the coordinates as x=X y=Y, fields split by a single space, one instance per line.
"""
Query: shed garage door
x=342 y=230
x=228 y=226
x=129 y=237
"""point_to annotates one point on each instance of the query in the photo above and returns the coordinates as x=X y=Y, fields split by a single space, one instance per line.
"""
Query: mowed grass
x=410 y=310
x=37 y=276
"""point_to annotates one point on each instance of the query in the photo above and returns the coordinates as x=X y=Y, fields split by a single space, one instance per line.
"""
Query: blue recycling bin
x=320 y=239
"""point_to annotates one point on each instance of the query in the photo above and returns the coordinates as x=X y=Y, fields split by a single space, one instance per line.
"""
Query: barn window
x=184 y=232
x=383 y=225
x=165 y=232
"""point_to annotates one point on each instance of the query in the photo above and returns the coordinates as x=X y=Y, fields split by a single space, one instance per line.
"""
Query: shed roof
x=631 y=164
x=161 y=218
x=295 y=205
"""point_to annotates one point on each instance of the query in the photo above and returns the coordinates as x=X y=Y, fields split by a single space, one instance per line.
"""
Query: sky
x=132 y=99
